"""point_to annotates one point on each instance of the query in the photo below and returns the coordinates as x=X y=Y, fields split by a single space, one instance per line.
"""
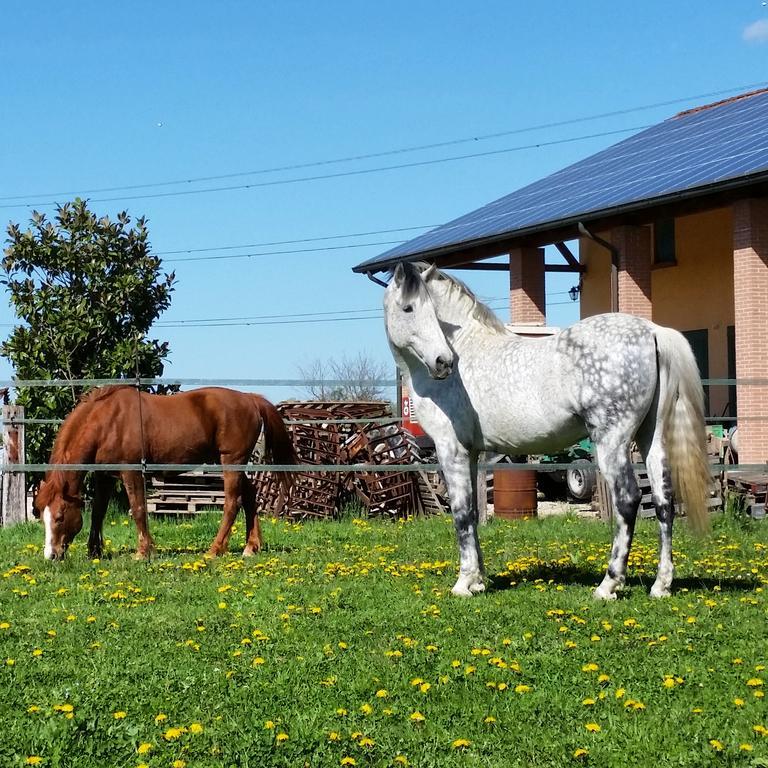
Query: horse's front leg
x=103 y=485
x=460 y=471
x=134 y=486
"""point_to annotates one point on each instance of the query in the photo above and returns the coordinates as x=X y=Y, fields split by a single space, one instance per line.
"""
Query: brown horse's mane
x=101 y=392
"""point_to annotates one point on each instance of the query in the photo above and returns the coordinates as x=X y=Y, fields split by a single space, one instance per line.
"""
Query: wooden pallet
x=752 y=490
x=187 y=493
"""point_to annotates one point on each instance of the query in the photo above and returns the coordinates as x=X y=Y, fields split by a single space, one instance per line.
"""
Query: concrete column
x=634 y=246
x=527 y=295
x=750 y=286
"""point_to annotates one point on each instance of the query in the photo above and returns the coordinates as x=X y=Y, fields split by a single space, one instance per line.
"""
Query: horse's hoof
x=603 y=594
x=141 y=556
x=250 y=552
x=477 y=587
x=658 y=591
x=461 y=591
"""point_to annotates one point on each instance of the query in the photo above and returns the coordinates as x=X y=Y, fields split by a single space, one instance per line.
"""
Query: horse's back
x=610 y=364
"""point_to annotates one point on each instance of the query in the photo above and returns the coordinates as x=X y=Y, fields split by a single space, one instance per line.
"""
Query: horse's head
x=411 y=321
x=62 y=515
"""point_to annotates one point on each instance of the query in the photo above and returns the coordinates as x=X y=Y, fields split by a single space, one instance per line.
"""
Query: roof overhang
x=679 y=203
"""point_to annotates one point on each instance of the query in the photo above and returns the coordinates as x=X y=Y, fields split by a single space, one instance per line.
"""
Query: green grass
x=326 y=645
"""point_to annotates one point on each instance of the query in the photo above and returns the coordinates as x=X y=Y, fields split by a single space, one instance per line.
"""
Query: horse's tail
x=681 y=398
x=277 y=439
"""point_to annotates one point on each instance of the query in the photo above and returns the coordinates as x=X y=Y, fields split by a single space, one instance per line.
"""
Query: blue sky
x=103 y=95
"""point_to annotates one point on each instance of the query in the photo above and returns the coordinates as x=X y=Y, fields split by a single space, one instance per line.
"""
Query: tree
x=353 y=378
x=87 y=291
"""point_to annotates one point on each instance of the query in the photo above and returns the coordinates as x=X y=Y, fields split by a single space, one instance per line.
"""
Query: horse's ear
x=398 y=276
x=429 y=272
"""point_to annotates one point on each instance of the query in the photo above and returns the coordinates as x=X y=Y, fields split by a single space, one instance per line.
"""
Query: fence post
x=14 y=498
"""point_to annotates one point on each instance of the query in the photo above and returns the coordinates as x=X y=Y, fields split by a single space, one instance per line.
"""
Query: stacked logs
x=363 y=437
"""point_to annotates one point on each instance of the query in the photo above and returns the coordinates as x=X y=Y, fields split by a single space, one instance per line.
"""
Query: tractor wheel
x=581 y=479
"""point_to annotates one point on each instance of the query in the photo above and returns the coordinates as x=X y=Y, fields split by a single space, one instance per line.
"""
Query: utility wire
x=359 y=172
x=399 y=150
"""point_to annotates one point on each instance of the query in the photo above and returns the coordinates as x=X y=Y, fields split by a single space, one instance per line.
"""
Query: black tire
x=581 y=479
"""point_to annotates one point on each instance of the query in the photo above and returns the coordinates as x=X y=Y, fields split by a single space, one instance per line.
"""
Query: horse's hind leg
x=134 y=486
x=103 y=485
x=252 y=525
x=613 y=459
x=232 y=483
x=651 y=442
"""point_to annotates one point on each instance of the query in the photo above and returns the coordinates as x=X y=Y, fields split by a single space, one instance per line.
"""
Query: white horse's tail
x=681 y=400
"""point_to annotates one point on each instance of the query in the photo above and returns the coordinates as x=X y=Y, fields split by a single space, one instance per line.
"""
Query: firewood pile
x=320 y=439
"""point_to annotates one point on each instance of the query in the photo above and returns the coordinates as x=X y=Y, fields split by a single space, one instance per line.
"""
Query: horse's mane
x=460 y=291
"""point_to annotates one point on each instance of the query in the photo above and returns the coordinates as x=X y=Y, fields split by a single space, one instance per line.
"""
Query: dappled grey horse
x=616 y=378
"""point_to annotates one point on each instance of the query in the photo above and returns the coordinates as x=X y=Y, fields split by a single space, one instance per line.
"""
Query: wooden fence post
x=14 y=493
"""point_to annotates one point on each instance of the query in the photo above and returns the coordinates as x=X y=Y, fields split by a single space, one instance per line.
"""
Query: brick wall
x=527 y=295
x=750 y=285
x=634 y=245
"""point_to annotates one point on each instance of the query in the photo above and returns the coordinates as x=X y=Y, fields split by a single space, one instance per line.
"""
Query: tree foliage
x=86 y=290
x=349 y=378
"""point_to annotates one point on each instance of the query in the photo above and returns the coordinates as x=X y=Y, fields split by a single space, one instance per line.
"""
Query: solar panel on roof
x=694 y=149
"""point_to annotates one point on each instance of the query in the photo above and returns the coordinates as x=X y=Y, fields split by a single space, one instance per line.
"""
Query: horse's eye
x=408 y=308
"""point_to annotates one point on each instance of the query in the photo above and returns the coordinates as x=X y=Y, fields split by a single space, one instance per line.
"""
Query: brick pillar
x=527 y=295
x=750 y=286
x=634 y=246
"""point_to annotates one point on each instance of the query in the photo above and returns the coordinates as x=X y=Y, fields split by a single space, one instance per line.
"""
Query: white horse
x=477 y=386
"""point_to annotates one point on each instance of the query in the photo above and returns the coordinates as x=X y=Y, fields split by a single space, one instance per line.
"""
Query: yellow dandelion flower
x=738 y=702
x=334 y=736
x=460 y=743
x=424 y=687
x=144 y=747
x=603 y=678
x=758 y=694
x=119 y=715
x=269 y=725
x=366 y=742
x=382 y=693
x=281 y=737
x=745 y=747
x=37 y=652
x=754 y=682
x=196 y=728
x=620 y=693
x=522 y=688
x=348 y=761
x=591 y=667
x=179 y=764
x=366 y=709
x=33 y=708
x=63 y=708
x=417 y=717
x=401 y=760
x=580 y=752
x=341 y=712
x=717 y=745
x=257 y=662
x=33 y=760
x=593 y=727
x=159 y=718
x=172 y=733
x=588 y=702
x=5 y=625
x=669 y=682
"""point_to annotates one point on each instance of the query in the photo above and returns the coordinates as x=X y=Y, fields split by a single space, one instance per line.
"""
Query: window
x=664 y=242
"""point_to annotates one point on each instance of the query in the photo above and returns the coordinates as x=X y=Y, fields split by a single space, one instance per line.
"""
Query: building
x=671 y=224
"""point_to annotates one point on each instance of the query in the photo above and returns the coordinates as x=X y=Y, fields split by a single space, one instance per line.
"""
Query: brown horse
x=119 y=425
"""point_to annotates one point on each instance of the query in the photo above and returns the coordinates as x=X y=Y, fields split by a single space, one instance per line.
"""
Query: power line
x=399 y=150
x=341 y=174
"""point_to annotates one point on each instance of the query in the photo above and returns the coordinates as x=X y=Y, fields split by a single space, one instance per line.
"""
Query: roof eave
x=566 y=228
